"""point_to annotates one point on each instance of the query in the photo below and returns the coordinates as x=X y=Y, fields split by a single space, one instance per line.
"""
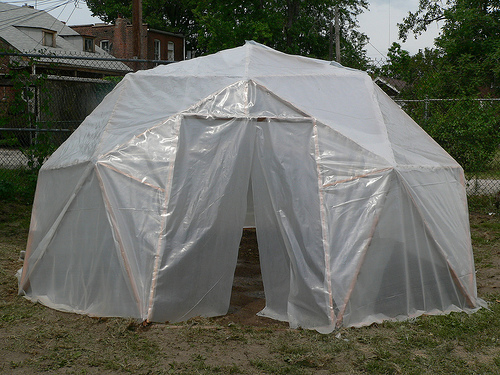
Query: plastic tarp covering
x=360 y=216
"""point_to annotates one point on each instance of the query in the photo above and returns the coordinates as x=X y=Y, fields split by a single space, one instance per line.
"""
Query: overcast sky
x=379 y=22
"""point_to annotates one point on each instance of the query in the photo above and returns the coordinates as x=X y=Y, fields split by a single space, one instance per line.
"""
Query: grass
x=36 y=339
x=17 y=185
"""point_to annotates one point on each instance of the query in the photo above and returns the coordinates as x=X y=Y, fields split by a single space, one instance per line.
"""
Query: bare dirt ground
x=486 y=253
x=247 y=297
x=36 y=339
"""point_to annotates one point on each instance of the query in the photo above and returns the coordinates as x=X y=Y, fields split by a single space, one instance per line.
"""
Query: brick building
x=118 y=40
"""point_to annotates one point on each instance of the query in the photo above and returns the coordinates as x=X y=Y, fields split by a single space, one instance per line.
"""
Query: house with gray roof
x=51 y=77
x=33 y=31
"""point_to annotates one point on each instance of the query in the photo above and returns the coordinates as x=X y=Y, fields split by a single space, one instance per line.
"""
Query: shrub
x=469 y=130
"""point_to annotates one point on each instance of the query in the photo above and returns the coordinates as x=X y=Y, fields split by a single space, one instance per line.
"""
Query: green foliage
x=25 y=111
x=464 y=66
x=417 y=72
x=226 y=24
x=113 y=79
x=469 y=44
x=469 y=130
x=293 y=26
x=17 y=185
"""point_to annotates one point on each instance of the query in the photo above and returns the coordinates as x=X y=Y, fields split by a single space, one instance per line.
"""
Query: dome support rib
x=441 y=252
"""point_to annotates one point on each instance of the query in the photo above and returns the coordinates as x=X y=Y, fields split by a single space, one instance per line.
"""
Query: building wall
x=164 y=39
x=120 y=35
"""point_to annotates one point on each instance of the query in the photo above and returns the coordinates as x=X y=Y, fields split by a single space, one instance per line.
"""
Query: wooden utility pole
x=337 y=34
x=137 y=27
x=330 y=49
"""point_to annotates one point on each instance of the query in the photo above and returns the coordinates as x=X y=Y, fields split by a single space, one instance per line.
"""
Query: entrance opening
x=248 y=290
x=247 y=295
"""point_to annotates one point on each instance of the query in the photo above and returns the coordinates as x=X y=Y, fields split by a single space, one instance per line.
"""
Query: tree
x=292 y=26
x=168 y=15
x=469 y=42
x=465 y=68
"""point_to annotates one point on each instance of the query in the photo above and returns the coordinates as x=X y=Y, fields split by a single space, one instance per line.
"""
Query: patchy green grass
x=14 y=222
x=36 y=339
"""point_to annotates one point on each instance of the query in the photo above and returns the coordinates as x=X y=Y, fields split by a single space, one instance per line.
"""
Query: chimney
x=120 y=38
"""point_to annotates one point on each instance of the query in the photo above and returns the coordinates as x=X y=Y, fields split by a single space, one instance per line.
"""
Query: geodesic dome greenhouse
x=360 y=215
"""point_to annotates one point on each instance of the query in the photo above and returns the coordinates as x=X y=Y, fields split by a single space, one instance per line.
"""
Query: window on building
x=49 y=38
x=171 y=51
x=157 y=55
x=88 y=45
x=106 y=46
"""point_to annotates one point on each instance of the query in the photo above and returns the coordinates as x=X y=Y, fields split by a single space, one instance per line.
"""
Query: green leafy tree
x=416 y=75
x=168 y=15
x=226 y=24
x=293 y=26
x=468 y=130
x=36 y=145
x=464 y=67
x=469 y=43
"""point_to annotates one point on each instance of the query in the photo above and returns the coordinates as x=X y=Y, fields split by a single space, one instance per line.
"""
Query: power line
x=375 y=48
x=55 y=20
x=26 y=17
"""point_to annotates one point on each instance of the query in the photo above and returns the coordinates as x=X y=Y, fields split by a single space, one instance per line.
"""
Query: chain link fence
x=469 y=130
x=44 y=98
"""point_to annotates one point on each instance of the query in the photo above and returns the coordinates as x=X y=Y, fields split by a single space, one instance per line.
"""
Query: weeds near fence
x=18 y=185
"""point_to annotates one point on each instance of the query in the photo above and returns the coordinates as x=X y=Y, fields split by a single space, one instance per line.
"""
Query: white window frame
x=157 y=50
x=170 y=51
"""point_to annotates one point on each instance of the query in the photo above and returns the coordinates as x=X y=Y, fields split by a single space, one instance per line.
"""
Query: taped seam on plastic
x=412 y=167
x=168 y=189
x=358 y=270
x=42 y=246
x=132 y=177
x=358 y=177
x=247 y=94
x=247 y=60
x=257 y=118
x=163 y=122
x=324 y=225
x=122 y=252
x=378 y=114
x=441 y=252
x=202 y=297
x=280 y=99
x=125 y=83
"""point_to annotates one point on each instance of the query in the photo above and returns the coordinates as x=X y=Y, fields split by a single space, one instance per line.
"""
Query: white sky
x=379 y=22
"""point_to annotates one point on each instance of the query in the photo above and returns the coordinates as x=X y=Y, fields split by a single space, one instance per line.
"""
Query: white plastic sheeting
x=360 y=216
